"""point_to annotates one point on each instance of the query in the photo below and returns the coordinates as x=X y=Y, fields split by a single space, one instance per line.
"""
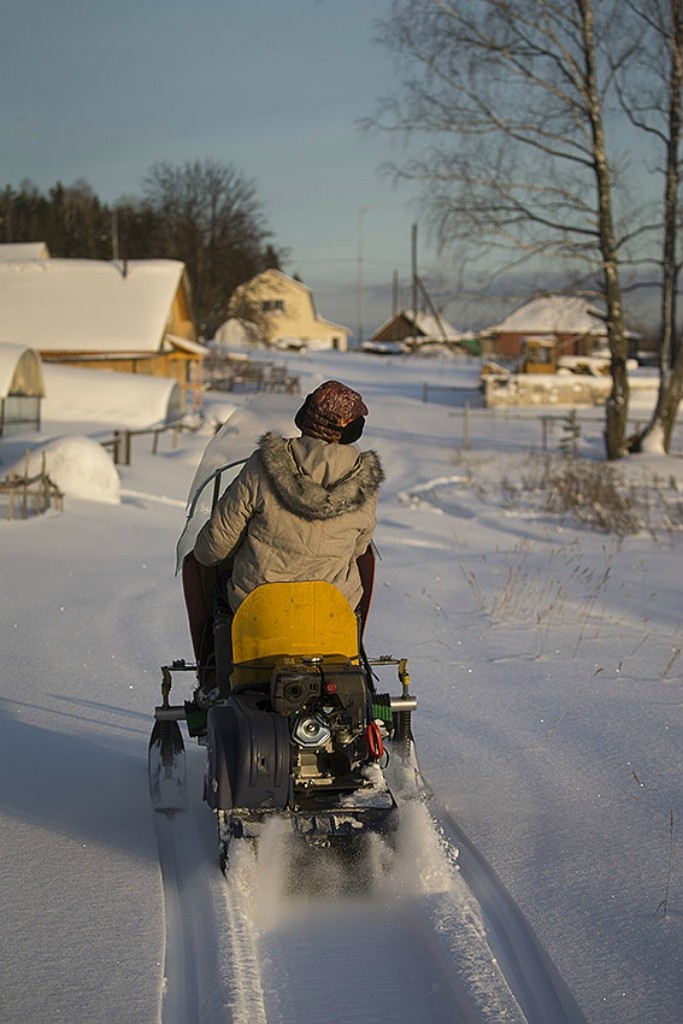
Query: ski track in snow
x=423 y=932
x=160 y=499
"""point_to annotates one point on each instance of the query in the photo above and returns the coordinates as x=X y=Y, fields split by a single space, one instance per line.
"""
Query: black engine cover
x=296 y=685
x=248 y=755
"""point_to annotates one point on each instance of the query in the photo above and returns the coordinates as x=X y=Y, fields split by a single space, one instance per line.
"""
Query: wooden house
x=283 y=310
x=131 y=316
x=569 y=321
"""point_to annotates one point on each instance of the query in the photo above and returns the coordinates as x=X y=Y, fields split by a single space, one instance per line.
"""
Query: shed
x=22 y=389
x=416 y=329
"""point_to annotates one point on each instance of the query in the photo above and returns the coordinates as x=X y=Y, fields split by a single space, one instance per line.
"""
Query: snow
x=552 y=314
x=126 y=401
x=78 y=465
x=653 y=442
x=14 y=251
x=546 y=657
x=235 y=334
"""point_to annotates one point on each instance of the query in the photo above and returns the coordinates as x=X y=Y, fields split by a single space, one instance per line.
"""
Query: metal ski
x=166 y=758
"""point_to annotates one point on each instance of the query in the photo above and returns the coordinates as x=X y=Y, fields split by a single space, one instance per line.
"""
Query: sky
x=100 y=91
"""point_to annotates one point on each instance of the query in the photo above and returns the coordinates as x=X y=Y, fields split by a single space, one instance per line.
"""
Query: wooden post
x=155 y=442
x=128 y=446
x=466 y=427
x=24 y=497
x=117 y=442
x=44 y=486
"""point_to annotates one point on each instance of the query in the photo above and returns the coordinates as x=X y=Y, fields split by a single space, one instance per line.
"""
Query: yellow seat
x=276 y=620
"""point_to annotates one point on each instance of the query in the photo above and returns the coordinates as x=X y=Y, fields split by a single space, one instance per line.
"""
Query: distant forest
x=205 y=213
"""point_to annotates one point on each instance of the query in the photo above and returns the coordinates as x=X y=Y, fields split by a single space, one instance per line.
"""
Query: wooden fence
x=28 y=494
x=120 y=444
x=243 y=375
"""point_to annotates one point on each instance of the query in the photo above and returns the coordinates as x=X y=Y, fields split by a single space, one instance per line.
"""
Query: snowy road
x=402 y=937
x=548 y=729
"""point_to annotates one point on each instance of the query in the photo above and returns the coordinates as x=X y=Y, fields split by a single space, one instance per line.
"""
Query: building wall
x=508 y=344
x=180 y=321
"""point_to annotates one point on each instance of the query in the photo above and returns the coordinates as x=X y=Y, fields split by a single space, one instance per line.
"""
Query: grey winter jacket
x=300 y=509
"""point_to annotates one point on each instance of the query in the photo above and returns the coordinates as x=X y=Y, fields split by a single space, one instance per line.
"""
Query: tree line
x=550 y=130
x=205 y=213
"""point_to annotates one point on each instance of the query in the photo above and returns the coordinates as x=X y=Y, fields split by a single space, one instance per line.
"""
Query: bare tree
x=509 y=97
x=208 y=215
x=651 y=97
x=205 y=213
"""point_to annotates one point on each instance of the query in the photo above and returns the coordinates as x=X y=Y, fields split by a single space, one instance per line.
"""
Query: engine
x=308 y=734
x=326 y=703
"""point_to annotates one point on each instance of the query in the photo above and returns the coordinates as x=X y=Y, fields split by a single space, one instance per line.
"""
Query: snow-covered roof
x=124 y=400
x=20 y=371
x=551 y=314
x=426 y=324
x=87 y=305
x=19 y=251
x=194 y=348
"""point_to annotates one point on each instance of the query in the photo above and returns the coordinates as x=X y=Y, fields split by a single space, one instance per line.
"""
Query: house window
x=273 y=306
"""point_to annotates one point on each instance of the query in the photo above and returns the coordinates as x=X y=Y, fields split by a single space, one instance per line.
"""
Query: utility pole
x=413 y=256
x=361 y=286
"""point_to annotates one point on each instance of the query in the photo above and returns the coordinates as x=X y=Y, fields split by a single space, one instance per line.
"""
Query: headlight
x=311 y=731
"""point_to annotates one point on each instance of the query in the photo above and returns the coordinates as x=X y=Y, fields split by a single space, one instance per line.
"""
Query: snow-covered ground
x=547 y=661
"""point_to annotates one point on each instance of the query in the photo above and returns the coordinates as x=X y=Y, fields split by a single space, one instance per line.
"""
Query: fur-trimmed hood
x=299 y=509
x=316 y=480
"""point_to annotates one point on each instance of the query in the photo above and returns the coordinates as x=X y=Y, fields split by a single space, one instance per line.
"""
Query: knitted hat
x=333 y=412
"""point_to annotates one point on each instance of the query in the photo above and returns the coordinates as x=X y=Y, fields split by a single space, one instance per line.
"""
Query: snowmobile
x=300 y=731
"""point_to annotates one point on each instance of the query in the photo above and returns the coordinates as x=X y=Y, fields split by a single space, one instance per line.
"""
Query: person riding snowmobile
x=300 y=509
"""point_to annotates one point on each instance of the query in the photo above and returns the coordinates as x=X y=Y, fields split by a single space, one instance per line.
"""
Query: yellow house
x=131 y=316
x=284 y=312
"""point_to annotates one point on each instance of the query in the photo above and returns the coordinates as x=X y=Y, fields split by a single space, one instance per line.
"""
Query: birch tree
x=651 y=97
x=507 y=99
